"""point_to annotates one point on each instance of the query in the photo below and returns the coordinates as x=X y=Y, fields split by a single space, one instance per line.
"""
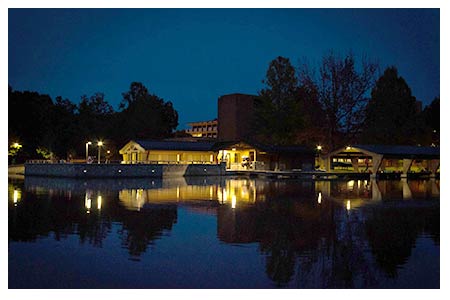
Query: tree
x=144 y=115
x=277 y=108
x=64 y=126
x=94 y=117
x=342 y=93
x=30 y=120
x=431 y=123
x=392 y=114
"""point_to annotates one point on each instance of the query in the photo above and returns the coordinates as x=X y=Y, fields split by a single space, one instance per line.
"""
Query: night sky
x=193 y=56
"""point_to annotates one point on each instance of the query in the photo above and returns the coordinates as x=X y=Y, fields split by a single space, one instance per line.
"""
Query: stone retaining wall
x=121 y=170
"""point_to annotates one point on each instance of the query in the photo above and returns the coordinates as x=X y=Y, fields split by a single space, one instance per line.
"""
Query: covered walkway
x=377 y=159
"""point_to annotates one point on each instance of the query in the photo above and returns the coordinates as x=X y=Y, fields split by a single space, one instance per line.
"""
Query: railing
x=170 y=162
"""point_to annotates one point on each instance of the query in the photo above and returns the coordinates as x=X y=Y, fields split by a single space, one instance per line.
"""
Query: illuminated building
x=203 y=129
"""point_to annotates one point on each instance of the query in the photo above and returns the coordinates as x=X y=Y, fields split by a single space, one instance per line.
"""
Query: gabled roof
x=396 y=150
x=176 y=145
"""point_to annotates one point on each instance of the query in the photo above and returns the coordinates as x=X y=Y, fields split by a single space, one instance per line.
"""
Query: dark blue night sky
x=193 y=56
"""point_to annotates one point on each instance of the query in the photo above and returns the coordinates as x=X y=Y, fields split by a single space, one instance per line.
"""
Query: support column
x=434 y=188
x=376 y=193
x=355 y=165
x=406 y=167
x=326 y=161
x=433 y=166
x=376 y=163
x=407 y=194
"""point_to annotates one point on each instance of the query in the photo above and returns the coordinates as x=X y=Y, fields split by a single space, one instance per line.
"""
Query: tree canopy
x=61 y=128
x=392 y=114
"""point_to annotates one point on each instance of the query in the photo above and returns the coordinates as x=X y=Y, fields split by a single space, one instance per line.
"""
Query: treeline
x=59 y=129
x=341 y=102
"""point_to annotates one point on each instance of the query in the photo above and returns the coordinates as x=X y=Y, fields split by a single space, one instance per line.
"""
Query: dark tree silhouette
x=144 y=115
x=342 y=93
x=392 y=115
x=278 y=114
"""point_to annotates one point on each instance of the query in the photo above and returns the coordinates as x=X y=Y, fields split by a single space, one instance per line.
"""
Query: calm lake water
x=223 y=233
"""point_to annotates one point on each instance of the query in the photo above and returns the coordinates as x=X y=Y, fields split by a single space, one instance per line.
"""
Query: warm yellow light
x=348 y=205
x=87 y=203
x=16 y=196
x=233 y=201
x=108 y=152
x=99 y=202
x=348 y=148
x=319 y=198
x=234 y=149
x=16 y=145
x=319 y=147
x=99 y=143
x=89 y=143
x=350 y=184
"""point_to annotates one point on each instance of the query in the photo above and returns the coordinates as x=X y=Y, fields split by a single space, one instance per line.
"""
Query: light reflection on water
x=313 y=234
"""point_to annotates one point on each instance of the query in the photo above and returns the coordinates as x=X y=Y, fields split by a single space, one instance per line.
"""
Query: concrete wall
x=122 y=170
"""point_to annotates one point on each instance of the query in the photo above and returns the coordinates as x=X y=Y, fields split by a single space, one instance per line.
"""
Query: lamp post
x=87 y=150
x=99 y=144
x=319 y=151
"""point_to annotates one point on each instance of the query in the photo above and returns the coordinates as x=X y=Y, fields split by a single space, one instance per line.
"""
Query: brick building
x=235 y=113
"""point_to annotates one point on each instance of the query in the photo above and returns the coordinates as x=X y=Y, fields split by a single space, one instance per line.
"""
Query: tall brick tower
x=235 y=114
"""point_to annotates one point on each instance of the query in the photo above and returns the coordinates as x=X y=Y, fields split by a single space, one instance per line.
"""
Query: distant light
x=348 y=205
x=99 y=143
x=153 y=171
x=204 y=169
x=234 y=149
x=99 y=202
x=16 y=196
x=233 y=201
x=85 y=171
x=120 y=171
x=319 y=198
x=89 y=143
x=108 y=152
x=319 y=147
x=87 y=203
x=348 y=148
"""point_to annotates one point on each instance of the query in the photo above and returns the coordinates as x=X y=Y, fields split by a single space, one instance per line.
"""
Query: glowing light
x=87 y=203
x=319 y=198
x=348 y=148
x=99 y=202
x=234 y=149
x=16 y=196
x=319 y=147
x=99 y=143
x=350 y=184
x=348 y=205
x=233 y=201
x=224 y=195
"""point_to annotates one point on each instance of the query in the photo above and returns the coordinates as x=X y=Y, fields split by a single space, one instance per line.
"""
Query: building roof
x=215 y=146
x=265 y=148
x=176 y=145
x=403 y=151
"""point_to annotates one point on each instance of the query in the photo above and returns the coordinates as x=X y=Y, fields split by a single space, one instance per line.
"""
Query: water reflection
x=338 y=234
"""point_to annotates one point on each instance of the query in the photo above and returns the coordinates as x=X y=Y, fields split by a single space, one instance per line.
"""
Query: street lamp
x=87 y=150
x=99 y=144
